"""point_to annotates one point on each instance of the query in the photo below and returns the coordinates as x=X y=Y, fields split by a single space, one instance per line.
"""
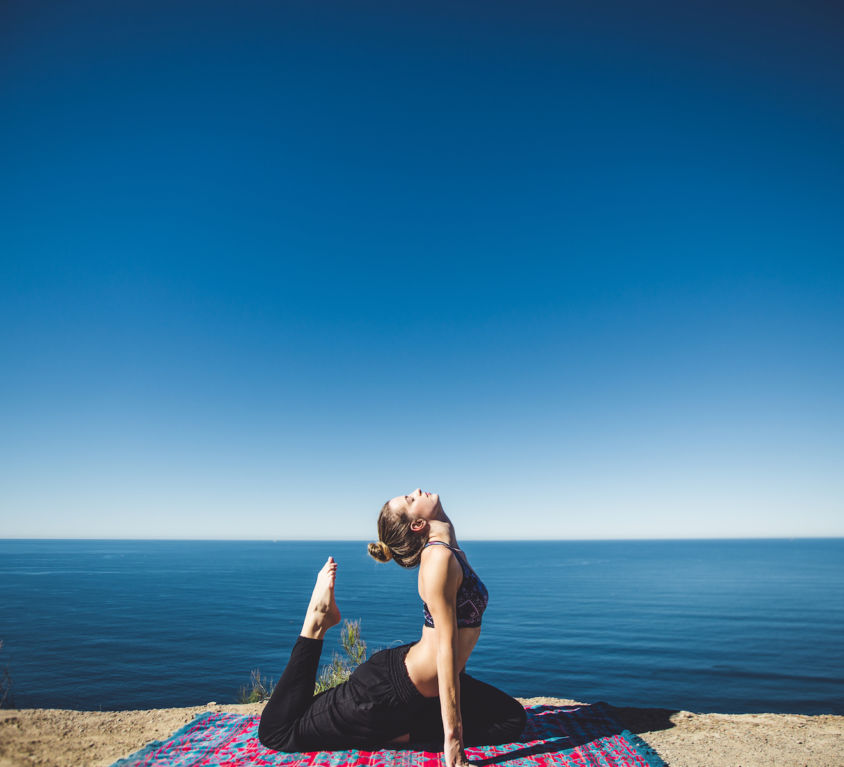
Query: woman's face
x=418 y=504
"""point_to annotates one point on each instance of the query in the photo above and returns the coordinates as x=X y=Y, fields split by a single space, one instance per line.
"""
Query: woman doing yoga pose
x=416 y=694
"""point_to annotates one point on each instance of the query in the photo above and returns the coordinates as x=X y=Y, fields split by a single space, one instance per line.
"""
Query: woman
x=414 y=694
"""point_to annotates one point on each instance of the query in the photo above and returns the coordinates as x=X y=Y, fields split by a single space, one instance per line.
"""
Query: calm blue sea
x=714 y=625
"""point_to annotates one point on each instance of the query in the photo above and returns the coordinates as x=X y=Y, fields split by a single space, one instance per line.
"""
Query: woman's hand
x=455 y=756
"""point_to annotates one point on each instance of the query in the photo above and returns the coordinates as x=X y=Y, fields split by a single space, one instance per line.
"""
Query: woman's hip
x=373 y=706
x=383 y=679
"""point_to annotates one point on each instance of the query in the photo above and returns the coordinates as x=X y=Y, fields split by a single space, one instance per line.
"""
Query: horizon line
x=473 y=540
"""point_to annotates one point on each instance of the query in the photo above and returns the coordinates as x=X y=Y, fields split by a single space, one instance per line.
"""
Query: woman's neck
x=442 y=532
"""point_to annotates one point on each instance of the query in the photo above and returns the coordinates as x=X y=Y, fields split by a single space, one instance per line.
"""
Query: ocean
x=726 y=626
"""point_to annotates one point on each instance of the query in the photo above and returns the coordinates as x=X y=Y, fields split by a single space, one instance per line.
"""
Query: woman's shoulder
x=441 y=562
x=438 y=551
x=435 y=551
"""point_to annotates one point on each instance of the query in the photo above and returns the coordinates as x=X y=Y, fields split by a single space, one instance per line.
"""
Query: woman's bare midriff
x=421 y=659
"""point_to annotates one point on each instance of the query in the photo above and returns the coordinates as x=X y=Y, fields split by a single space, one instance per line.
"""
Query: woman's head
x=403 y=527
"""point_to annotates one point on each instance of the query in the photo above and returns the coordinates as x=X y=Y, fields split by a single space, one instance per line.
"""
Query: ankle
x=313 y=629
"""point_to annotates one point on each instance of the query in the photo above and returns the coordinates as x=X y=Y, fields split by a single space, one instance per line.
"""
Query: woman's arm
x=441 y=579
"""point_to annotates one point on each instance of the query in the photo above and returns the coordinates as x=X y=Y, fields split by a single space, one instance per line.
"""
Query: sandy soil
x=65 y=738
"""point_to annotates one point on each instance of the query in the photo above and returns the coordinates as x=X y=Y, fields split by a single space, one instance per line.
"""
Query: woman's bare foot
x=323 y=612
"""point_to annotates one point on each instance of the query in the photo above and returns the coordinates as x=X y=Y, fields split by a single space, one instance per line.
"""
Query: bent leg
x=489 y=715
x=292 y=696
x=368 y=710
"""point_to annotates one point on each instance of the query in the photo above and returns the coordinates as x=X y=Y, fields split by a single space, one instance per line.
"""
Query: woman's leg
x=374 y=706
x=489 y=716
x=294 y=693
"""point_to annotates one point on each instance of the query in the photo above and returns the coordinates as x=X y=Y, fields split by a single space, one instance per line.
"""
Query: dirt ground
x=66 y=738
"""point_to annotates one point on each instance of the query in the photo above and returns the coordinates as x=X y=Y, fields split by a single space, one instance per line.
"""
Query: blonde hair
x=380 y=551
x=395 y=539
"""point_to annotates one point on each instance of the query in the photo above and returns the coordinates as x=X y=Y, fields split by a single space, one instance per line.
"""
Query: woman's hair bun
x=380 y=551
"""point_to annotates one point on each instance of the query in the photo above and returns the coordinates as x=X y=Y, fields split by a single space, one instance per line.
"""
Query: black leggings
x=379 y=702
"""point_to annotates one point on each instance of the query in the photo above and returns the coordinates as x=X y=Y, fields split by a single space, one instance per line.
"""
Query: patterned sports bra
x=472 y=596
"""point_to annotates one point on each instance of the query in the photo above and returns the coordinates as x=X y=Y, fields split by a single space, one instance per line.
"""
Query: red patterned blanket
x=555 y=736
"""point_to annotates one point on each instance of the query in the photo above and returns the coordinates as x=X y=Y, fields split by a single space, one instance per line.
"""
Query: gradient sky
x=577 y=267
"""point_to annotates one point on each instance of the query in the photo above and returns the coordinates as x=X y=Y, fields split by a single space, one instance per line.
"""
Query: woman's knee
x=505 y=725
x=510 y=721
x=274 y=738
x=273 y=745
x=505 y=729
x=514 y=724
x=265 y=736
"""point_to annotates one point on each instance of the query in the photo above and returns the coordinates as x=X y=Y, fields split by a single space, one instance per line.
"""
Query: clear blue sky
x=577 y=267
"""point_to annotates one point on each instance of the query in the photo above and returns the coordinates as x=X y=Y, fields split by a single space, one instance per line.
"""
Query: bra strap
x=441 y=543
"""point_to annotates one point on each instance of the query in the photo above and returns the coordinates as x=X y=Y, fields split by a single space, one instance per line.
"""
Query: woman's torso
x=421 y=659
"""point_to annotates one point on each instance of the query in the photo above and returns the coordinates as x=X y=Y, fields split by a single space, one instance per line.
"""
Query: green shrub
x=340 y=668
x=352 y=643
x=260 y=690
x=330 y=675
